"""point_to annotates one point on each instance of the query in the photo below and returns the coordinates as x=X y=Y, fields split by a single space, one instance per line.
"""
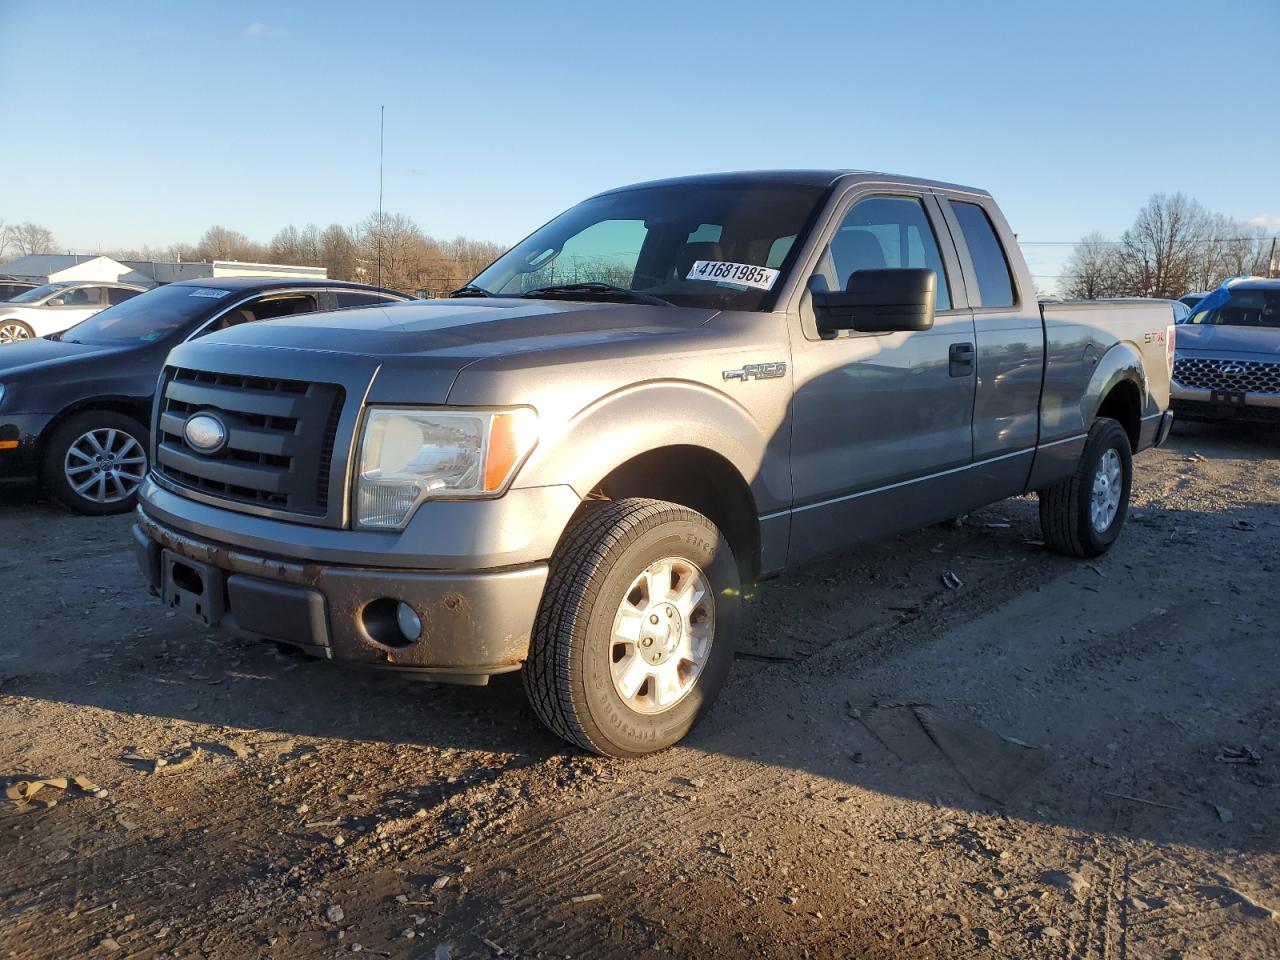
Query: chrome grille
x=280 y=438
x=1227 y=376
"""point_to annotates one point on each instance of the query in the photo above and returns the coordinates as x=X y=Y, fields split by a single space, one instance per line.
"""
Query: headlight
x=410 y=454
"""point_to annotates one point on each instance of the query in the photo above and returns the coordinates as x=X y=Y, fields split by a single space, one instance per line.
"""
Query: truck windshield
x=724 y=246
x=148 y=317
x=1244 y=308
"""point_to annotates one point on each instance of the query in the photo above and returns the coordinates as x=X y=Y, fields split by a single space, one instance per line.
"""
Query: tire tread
x=578 y=567
x=1060 y=505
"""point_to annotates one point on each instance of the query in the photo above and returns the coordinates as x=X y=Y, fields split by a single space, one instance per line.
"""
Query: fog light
x=409 y=622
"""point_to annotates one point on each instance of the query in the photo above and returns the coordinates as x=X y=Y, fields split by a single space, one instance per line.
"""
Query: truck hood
x=466 y=328
x=418 y=348
x=1212 y=338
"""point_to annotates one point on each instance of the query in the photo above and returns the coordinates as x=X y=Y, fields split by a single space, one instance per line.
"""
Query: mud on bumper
x=474 y=623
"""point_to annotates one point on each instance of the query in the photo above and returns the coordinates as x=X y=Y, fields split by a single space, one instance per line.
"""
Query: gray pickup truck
x=675 y=388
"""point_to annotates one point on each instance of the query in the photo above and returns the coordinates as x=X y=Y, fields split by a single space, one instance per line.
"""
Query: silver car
x=1227 y=361
x=59 y=306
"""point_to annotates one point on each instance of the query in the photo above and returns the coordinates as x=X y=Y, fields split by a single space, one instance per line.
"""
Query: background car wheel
x=95 y=461
x=11 y=331
x=1082 y=516
x=637 y=627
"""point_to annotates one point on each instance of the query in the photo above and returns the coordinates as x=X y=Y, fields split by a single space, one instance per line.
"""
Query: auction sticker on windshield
x=208 y=292
x=744 y=274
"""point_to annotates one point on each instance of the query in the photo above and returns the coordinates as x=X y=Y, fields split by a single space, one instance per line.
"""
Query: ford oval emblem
x=205 y=433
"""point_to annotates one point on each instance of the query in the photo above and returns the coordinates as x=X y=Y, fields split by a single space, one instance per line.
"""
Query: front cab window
x=883 y=233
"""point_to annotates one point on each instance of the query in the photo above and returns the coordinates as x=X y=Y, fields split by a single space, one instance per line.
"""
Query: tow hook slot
x=193 y=588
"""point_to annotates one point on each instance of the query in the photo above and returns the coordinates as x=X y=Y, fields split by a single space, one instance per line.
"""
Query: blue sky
x=142 y=123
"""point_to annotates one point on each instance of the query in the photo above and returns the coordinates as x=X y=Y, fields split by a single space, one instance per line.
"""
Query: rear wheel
x=11 y=331
x=635 y=635
x=95 y=462
x=1083 y=515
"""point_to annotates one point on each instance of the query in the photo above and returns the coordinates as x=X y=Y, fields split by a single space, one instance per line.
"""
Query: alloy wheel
x=662 y=635
x=106 y=465
x=13 y=332
x=1108 y=484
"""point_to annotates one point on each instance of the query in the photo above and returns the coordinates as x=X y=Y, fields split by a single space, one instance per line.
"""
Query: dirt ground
x=1055 y=759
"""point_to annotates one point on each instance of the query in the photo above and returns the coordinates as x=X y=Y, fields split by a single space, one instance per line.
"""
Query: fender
x=1121 y=362
x=640 y=417
x=1056 y=459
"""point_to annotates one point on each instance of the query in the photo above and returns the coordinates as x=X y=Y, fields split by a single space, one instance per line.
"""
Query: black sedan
x=74 y=407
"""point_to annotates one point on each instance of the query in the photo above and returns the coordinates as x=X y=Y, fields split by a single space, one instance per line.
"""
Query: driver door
x=880 y=419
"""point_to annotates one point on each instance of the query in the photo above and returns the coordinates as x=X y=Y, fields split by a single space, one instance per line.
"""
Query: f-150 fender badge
x=757 y=371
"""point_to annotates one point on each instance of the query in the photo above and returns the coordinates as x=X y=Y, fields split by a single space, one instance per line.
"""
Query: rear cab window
x=361 y=298
x=990 y=264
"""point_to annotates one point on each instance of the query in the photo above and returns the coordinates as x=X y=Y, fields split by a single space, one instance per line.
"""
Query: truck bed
x=1087 y=345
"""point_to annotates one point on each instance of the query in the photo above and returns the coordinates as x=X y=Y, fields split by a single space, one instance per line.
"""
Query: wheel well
x=1124 y=405
x=138 y=409
x=700 y=480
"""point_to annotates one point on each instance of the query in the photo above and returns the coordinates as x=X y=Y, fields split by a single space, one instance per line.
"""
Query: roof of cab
x=802 y=178
x=272 y=283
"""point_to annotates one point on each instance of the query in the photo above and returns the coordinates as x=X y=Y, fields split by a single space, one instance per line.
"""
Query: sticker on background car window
x=206 y=292
x=742 y=274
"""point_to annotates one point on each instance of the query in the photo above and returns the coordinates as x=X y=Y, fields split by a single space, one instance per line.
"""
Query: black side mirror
x=879 y=301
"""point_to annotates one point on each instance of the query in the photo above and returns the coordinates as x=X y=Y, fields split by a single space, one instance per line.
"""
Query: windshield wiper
x=574 y=291
x=471 y=290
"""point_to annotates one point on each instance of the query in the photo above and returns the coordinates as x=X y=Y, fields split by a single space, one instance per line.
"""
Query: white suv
x=57 y=306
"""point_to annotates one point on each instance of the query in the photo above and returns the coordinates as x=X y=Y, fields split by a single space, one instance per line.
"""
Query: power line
x=1116 y=243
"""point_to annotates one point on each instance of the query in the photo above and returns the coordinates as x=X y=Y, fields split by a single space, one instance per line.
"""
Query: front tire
x=637 y=628
x=11 y=331
x=1083 y=515
x=95 y=462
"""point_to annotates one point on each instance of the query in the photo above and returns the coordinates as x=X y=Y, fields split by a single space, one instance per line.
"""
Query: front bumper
x=1193 y=404
x=1164 y=425
x=25 y=429
x=475 y=623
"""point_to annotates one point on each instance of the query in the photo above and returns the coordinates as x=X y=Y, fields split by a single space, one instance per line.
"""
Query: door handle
x=961 y=357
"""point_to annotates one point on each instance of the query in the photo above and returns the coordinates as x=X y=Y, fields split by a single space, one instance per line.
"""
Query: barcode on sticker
x=744 y=274
x=209 y=292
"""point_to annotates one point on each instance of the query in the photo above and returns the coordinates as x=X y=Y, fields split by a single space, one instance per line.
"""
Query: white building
x=58 y=267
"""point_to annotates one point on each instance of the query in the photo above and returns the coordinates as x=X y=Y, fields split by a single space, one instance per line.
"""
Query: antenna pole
x=382 y=126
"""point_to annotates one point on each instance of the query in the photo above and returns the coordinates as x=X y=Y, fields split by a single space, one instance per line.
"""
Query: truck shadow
x=1018 y=690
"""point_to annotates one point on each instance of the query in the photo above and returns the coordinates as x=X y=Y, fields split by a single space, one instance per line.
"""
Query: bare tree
x=304 y=247
x=1159 y=253
x=1173 y=247
x=221 y=243
x=397 y=252
x=1246 y=253
x=1093 y=270
x=469 y=257
x=411 y=260
x=339 y=250
x=29 y=238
